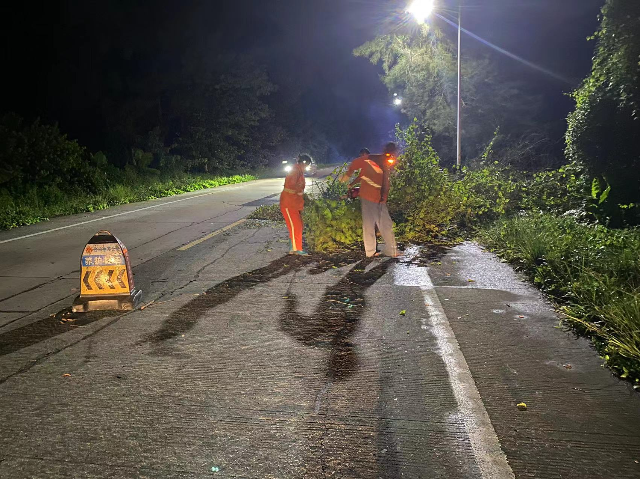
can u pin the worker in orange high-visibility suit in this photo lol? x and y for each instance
(292, 203)
(374, 189)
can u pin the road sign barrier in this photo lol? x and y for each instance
(106, 280)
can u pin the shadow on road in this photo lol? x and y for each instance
(181, 320)
(47, 328)
(336, 318)
(186, 317)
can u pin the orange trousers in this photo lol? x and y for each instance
(293, 218)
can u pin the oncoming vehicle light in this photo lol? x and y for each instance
(287, 168)
(308, 168)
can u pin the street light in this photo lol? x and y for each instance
(421, 9)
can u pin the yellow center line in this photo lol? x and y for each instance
(211, 235)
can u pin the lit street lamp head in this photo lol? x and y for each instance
(421, 9)
(397, 101)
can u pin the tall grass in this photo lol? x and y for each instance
(593, 272)
(39, 204)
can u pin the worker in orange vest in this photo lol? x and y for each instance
(374, 190)
(292, 203)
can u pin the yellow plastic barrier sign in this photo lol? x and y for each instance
(106, 280)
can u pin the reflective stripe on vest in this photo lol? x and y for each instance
(375, 167)
(293, 192)
(375, 185)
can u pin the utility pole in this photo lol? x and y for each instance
(459, 143)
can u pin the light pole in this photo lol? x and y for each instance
(421, 9)
(459, 127)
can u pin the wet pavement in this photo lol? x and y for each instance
(580, 420)
(247, 363)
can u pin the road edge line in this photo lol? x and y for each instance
(211, 235)
(489, 455)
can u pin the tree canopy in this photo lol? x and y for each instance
(422, 69)
(604, 129)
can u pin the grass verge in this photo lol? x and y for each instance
(592, 272)
(40, 204)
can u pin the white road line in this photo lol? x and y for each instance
(490, 458)
(115, 215)
(211, 235)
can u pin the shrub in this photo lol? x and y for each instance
(487, 193)
(604, 132)
(423, 201)
(332, 224)
(332, 188)
(39, 155)
(267, 212)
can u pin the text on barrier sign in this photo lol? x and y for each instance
(104, 270)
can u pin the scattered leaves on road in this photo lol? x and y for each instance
(66, 375)
(148, 304)
(403, 312)
(522, 406)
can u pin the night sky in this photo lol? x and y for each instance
(305, 44)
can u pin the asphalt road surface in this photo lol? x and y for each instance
(248, 363)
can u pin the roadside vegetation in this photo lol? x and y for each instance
(571, 224)
(44, 174)
(552, 225)
(41, 204)
(592, 271)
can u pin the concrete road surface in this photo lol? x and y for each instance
(248, 363)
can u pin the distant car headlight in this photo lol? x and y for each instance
(308, 168)
(288, 168)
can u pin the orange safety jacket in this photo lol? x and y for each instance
(292, 195)
(371, 179)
